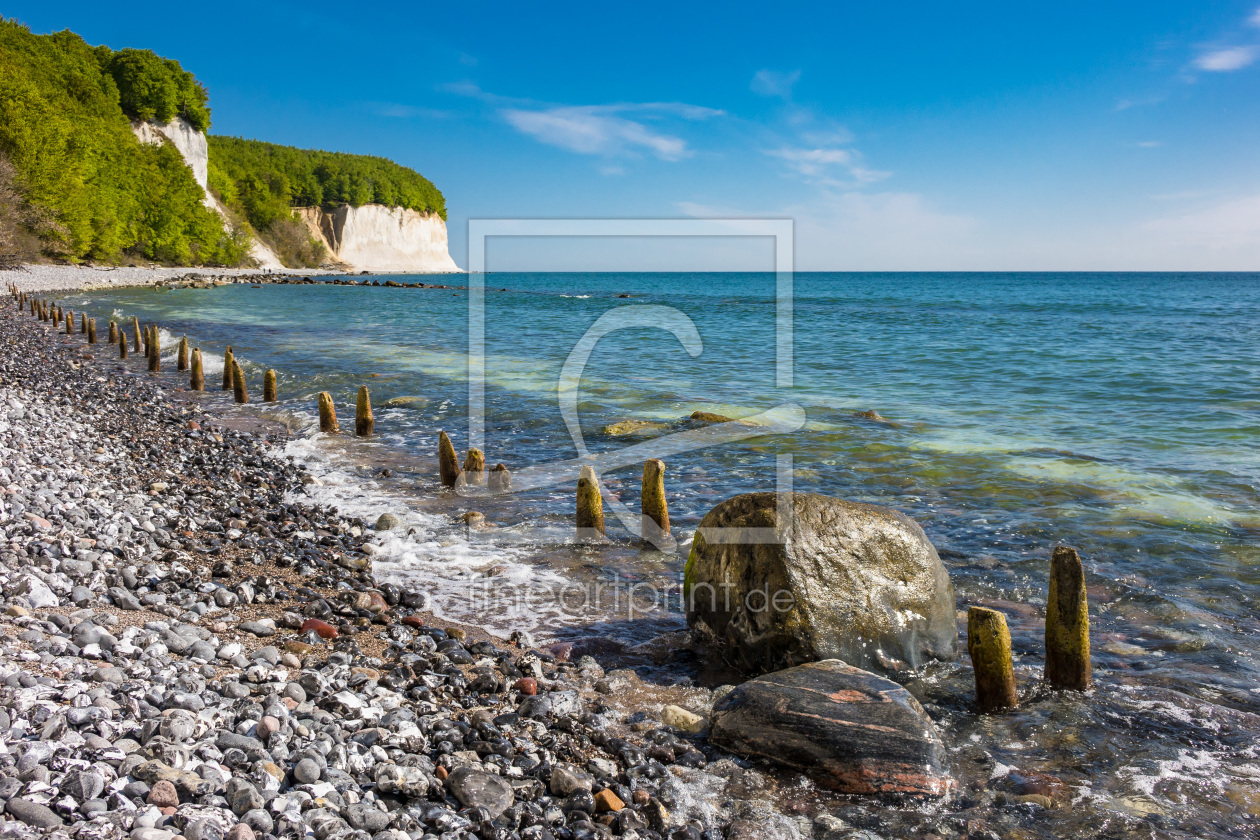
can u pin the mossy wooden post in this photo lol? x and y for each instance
(239, 390)
(147, 341)
(57, 316)
(122, 344)
(198, 380)
(989, 644)
(590, 505)
(83, 322)
(328, 414)
(181, 359)
(448, 461)
(500, 480)
(91, 330)
(655, 509)
(113, 333)
(269, 386)
(155, 350)
(228, 358)
(363, 421)
(1067, 623)
(475, 467)
(135, 332)
(70, 322)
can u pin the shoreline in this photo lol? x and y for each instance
(52, 278)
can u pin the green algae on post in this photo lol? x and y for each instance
(239, 391)
(228, 358)
(500, 479)
(655, 510)
(91, 331)
(181, 360)
(475, 467)
(198, 380)
(989, 644)
(590, 505)
(135, 331)
(113, 333)
(1067, 623)
(448, 461)
(155, 350)
(363, 420)
(122, 344)
(328, 414)
(269, 386)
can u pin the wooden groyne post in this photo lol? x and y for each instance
(328, 414)
(989, 644)
(590, 505)
(655, 515)
(364, 423)
(1067, 623)
(448, 461)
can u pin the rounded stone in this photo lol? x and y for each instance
(163, 795)
(841, 580)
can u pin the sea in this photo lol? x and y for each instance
(1007, 413)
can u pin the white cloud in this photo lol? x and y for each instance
(1226, 60)
(594, 131)
(774, 83)
(1254, 20)
(1149, 144)
(819, 165)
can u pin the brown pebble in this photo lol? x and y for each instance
(267, 727)
(606, 800)
(163, 795)
(526, 685)
(441, 773)
(641, 797)
(413, 621)
(240, 831)
(322, 628)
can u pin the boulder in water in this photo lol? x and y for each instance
(853, 731)
(842, 580)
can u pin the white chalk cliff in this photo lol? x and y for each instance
(367, 238)
(192, 146)
(377, 238)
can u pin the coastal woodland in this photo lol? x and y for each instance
(77, 185)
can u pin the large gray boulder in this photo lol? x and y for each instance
(848, 581)
(853, 731)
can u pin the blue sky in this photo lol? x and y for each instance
(914, 136)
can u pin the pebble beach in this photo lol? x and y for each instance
(185, 652)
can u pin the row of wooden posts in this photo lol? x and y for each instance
(988, 638)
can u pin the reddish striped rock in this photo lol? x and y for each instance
(322, 628)
(853, 731)
(413, 621)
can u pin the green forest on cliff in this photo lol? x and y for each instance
(76, 184)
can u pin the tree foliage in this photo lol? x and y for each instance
(155, 89)
(265, 181)
(101, 194)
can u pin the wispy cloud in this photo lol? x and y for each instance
(603, 130)
(393, 109)
(1254, 20)
(1149, 144)
(774, 83)
(827, 166)
(1226, 60)
(594, 131)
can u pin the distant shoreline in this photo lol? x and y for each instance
(47, 278)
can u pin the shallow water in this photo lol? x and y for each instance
(1116, 413)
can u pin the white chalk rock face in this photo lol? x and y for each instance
(377, 238)
(190, 142)
(192, 146)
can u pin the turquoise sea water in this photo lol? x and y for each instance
(1118, 413)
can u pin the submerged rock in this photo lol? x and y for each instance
(625, 428)
(852, 730)
(847, 581)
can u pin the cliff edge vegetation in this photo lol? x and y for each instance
(79, 184)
